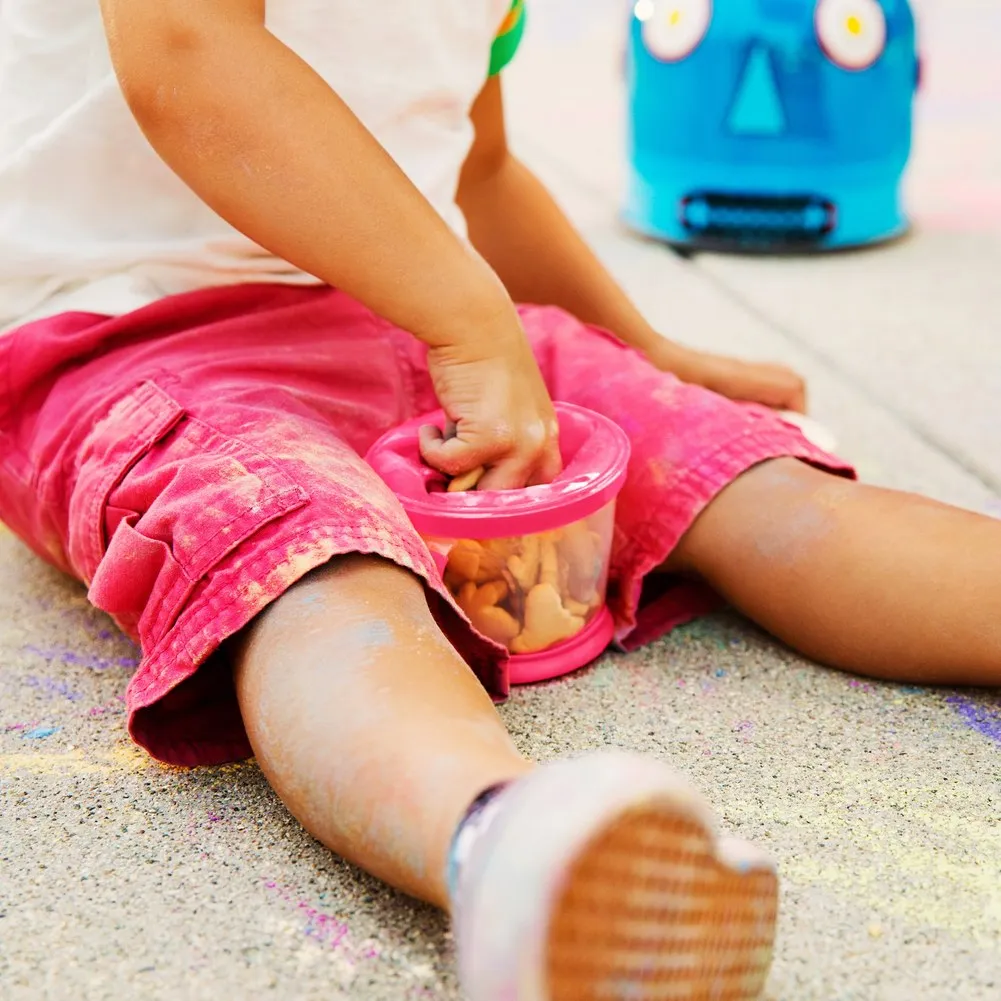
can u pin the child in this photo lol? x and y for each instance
(209, 323)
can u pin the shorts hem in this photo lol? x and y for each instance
(215, 617)
(701, 483)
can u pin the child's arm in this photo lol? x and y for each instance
(267, 144)
(518, 227)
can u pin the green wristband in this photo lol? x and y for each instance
(507, 41)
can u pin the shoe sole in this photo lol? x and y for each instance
(649, 912)
(602, 879)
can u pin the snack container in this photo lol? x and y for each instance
(528, 567)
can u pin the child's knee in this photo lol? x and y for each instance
(340, 619)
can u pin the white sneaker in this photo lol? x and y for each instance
(601, 879)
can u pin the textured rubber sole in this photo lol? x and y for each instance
(649, 910)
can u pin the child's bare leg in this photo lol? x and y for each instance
(588, 872)
(874, 581)
(370, 727)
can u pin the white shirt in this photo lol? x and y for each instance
(90, 217)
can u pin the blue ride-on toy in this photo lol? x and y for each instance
(770, 124)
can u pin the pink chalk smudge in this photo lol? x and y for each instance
(324, 928)
(17, 727)
(115, 706)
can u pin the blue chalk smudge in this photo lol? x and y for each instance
(985, 719)
(41, 732)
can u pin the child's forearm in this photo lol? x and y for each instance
(263, 140)
(525, 236)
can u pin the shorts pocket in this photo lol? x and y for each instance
(160, 500)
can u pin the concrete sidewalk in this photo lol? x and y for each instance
(121, 879)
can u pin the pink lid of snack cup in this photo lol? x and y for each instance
(595, 457)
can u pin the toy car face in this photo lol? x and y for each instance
(770, 124)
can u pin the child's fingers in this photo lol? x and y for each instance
(778, 387)
(510, 474)
(549, 467)
(457, 457)
(451, 456)
(797, 397)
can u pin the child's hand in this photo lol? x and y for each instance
(754, 382)
(493, 393)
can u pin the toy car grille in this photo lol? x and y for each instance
(757, 219)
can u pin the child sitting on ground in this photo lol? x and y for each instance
(239, 240)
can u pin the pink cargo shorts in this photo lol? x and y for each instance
(190, 461)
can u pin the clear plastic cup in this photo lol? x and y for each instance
(532, 592)
(528, 567)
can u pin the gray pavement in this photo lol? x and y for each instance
(120, 878)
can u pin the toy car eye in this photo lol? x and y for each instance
(672, 29)
(852, 33)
